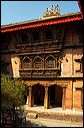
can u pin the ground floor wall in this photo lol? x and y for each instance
(67, 94)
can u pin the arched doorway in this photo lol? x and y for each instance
(55, 96)
(38, 95)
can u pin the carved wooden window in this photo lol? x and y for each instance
(36, 37)
(50, 62)
(80, 61)
(48, 35)
(26, 63)
(38, 63)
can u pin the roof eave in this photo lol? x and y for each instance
(42, 22)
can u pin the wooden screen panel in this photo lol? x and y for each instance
(38, 63)
(26, 63)
(50, 63)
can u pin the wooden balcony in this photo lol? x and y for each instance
(39, 73)
(39, 47)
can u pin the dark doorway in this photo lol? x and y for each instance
(55, 96)
(58, 96)
(38, 93)
(52, 95)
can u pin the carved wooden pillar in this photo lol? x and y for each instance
(64, 99)
(82, 98)
(20, 64)
(30, 97)
(46, 98)
(43, 61)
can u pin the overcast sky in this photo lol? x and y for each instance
(19, 11)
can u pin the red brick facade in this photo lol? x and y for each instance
(51, 60)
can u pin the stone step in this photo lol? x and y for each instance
(57, 116)
(31, 115)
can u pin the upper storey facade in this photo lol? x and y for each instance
(48, 47)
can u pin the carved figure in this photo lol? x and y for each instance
(52, 11)
(57, 10)
(46, 13)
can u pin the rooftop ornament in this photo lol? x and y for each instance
(52, 11)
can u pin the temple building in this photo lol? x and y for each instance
(47, 53)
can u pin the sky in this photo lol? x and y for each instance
(19, 11)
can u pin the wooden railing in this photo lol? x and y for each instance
(39, 73)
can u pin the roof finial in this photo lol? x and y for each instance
(57, 10)
(52, 11)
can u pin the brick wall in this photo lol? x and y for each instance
(66, 63)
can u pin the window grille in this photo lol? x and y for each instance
(50, 63)
(26, 63)
(38, 63)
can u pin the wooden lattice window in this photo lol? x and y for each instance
(80, 61)
(38, 63)
(26, 63)
(50, 62)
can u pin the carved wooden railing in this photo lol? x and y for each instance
(39, 73)
(36, 47)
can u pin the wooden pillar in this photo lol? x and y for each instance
(82, 98)
(46, 98)
(30, 97)
(64, 99)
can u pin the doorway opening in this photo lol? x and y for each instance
(55, 96)
(38, 94)
(59, 95)
(52, 95)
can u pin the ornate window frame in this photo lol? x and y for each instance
(30, 64)
(46, 61)
(34, 66)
